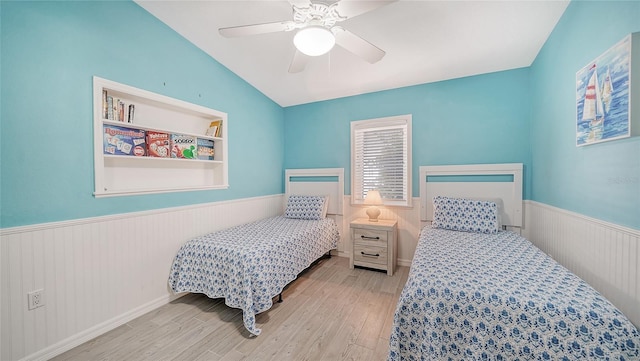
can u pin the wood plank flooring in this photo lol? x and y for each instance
(329, 313)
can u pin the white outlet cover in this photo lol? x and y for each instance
(35, 299)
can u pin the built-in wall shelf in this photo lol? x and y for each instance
(141, 127)
(153, 159)
(129, 160)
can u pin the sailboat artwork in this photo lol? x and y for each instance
(607, 89)
(593, 108)
(602, 96)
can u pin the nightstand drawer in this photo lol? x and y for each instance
(369, 235)
(371, 254)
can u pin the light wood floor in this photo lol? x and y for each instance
(329, 313)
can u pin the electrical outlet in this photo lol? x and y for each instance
(35, 299)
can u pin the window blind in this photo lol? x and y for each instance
(381, 161)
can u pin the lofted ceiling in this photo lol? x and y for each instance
(425, 41)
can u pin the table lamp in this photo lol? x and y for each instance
(373, 200)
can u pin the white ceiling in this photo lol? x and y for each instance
(425, 41)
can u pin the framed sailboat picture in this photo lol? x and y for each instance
(602, 96)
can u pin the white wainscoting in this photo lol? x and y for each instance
(605, 255)
(99, 273)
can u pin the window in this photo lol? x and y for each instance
(381, 159)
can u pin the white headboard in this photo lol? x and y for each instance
(320, 181)
(508, 193)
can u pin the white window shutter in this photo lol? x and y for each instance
(381, 159)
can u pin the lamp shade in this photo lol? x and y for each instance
(314, 40)
(373, 198)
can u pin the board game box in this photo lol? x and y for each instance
(183, 146)
(123, 141)
(205, 149)
(158, 144)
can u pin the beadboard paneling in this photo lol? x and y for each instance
(99, 273)
(605, 255)
(102, 272)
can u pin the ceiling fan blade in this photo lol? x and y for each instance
(246, 30)
(298, 63)
(348, 9)
(357, 45)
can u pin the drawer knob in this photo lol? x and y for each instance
(369, 254)
(365, 237)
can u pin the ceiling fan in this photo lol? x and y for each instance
(316, 30)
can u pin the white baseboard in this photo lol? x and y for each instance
(93, 332)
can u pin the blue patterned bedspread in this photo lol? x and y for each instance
(473, 296)
(249, 264)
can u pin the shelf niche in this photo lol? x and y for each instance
(121, 175)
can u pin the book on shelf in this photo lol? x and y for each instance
(121, 111)
(205, 149)
(158, 144)
(116, 112)
(132, 108)
(214, 129)
(105, 111)
(183, 146)
(109, 107)
(116, 109)
(123, 141)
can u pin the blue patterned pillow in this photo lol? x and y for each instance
(306, 207)
(468, 215)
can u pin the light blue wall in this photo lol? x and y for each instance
(600, 180)
(479, 119)
(50, 51)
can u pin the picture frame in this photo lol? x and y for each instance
(603, 108)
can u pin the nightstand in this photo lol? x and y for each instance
(374, 244)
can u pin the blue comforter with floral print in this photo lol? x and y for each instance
(472, 296)
(248, 265)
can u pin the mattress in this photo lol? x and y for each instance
(476, 296)
(248, 265)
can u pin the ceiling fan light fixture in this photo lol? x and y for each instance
(314, 40)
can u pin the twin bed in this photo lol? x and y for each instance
(477, 292)
(248, 265)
